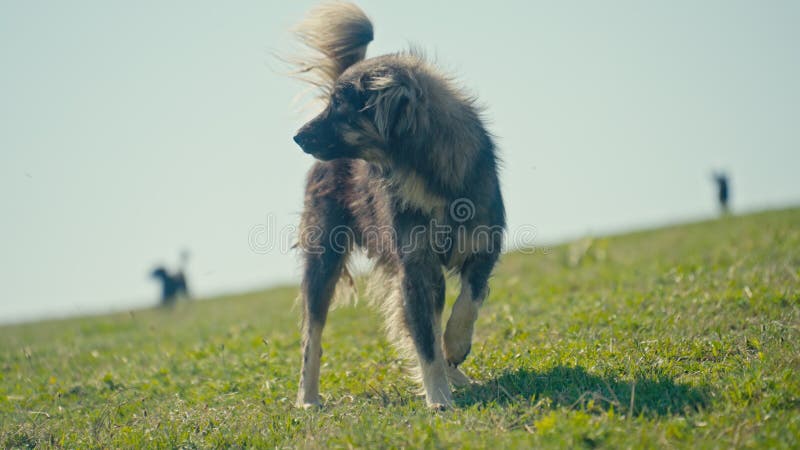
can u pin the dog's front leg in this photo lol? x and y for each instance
(458, 333)
(322, 270)
(423, 300)
(308, 395)
(460, 326)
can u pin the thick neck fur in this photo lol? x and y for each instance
(431, 182)
(448, 137)
(437, 149)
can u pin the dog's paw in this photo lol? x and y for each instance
(457, 346)
(458, 335)
(456, 377)
(440, 399)
(439, 406)
(309, 405)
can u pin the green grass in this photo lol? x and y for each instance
(687, 336)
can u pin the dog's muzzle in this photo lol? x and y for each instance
(304, 141)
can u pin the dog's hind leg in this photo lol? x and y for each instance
(324, 263)
(460, 326)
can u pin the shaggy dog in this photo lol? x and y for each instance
(721, 179)
(173, 285)
(407, 172)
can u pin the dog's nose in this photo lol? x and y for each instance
(303, 140)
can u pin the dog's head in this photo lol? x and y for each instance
(371, 112)
(159, 273)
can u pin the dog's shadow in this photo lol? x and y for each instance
(574, 387)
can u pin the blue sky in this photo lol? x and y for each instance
(129, 131)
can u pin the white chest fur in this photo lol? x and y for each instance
(411, 192)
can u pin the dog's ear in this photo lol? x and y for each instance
(395, 101)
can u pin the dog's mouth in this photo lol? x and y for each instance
(311, 146)
(318, 153)
(315, 148)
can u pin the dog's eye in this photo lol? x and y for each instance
(338, 105)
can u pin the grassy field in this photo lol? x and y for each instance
(687, 336)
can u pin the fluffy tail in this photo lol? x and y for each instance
(338, 33)
(183, 260)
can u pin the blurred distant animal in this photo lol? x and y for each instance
(407, 172)
(723, 193)
(173, 285)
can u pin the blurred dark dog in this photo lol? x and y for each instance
(723, 188)
(408, 173)
(173, 285)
